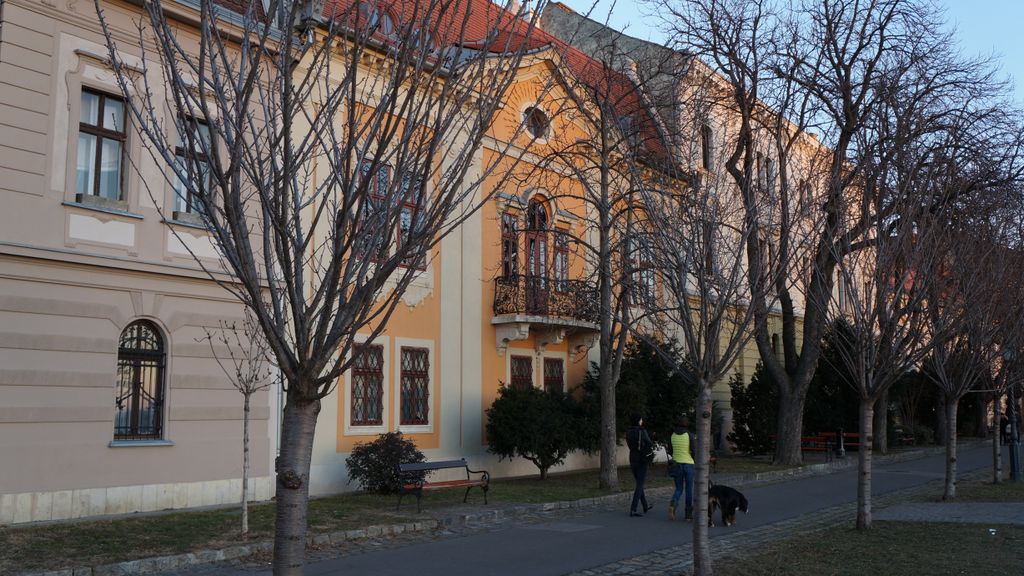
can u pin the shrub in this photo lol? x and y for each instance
(648, 385)
(373, 465)
(540, 426)
(754, 409)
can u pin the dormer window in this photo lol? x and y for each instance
(537, 122)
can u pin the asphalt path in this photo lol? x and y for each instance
(589, 538)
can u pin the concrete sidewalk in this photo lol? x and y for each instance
(544, 524)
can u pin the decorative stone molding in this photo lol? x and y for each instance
(549, 336)
(581, 343)
(505, 333)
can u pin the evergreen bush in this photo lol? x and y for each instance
(374, 465)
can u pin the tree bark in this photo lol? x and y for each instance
(609, 477)
(982, 408)
(940, 421)
(951, 408)
(864, 465)
(789, 426)
(701, 545)
(245, 464)
(298, 426)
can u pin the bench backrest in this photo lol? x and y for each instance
(435, 465)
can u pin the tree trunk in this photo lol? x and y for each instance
(245, 464)
(881, 425)
(789, 427)
(951, 408)
(982, 408)
(701, 545)
(609, 477)
(864, 465)
(997, 452)
(290, 523)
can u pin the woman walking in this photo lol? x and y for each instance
(680, 466)
(641, 450)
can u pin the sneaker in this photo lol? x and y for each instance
(671, 511)
(689, 513)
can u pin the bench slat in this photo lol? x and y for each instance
(435, 465)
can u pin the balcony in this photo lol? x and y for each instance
(552, 309)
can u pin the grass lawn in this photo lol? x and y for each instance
(903, 548)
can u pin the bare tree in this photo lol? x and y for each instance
(327, 151)
(698, 233)
(248, 369)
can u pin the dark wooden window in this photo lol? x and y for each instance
(101, 139)
(192, 159)
(643, 271)
(139, 400)
(536, 258)
(554, 374)
(411, 221)
(375, 212)
(509, 246)
(522, 372)
(537, 122)
(415, 386)
(705, 146)
(368, 385)
(561, 261)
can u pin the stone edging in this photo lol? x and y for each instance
(178, 561)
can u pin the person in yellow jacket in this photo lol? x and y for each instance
(680, 466)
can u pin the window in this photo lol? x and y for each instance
(643, 271)
(760, 176)
(561, 263)
(411, 221)
(415, 386)
(522, 372)
(705, 147)
(375, 20)
(537, 123)
(191, 159)
(509, 246)
(140, 383)
(368, 385)
(101, 140)
(375, 211)
(554, 374)
(536, 258)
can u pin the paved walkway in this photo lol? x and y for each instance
(596, 537)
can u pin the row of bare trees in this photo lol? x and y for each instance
(809, 145)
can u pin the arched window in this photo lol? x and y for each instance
(139, 400)
(536, 258)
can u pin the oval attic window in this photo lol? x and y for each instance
(537, 122)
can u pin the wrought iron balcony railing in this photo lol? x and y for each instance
(541, 296)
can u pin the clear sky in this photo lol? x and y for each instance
(983, 27)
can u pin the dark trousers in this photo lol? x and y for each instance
(639, 470)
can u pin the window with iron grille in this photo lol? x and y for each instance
(368, 385)
(522, 372)
(509, 246)
(101, 139)
(415, 386)
(140, 383)
(554, 374)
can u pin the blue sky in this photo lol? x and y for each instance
(983, 27)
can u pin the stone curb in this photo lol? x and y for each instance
(178, 561)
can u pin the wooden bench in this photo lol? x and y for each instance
(819, 443)
(851, 440)
(422, 469)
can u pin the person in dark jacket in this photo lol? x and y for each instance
(641, 449)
